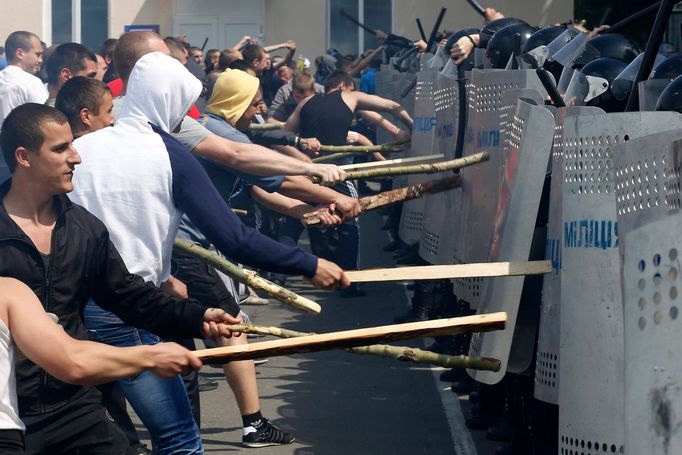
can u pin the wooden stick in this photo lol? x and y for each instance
(395, 196)
(353, 338)
(443, 272)
(396, 162)
(384, 350)
(249, 277)
(266, 126)
(336, 156)
(429, 168)
(364, 148)
(240, 212)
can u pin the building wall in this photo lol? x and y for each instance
(17, 18)
(140, 12)
(304, 21)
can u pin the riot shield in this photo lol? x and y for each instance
(649, 91)
(492, 96)
(523, 164)
(547, 359)
(591, 389)
(386, 87)
(436, 238)
(647, 181)
(423, 143)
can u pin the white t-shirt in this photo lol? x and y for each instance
(9, 405)
(18, 87)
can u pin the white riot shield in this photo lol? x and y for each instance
(523, 160)
(386, 87)
(423, 143)
(591, 388)
(436, 237)
(647, 185)
(547, 358)
(492, 94)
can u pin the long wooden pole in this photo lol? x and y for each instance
(443, 272)
(358, 337)
(266, 126)
(427, 168)
(396, 196)
(336, 156)
(396, 162)
(397, 146)
(249, 277)
(384, 350)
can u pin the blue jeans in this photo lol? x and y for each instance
(161, 404)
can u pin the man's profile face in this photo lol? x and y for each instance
(105, 116)
(52, 165)
(251, 111)
(33, 57)
(89, 69)
(102, 68)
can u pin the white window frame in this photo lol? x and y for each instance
(76, 14)
(361, 19)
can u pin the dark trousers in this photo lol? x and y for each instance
(204, 285)
(71, 430)
(11, 442)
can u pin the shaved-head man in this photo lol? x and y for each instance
(18, 83)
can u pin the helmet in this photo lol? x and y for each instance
(671, 98)
(622, 85)
(581, 50)
(491, 28)
(591, 86)
(501, 45)
(535, 52)
(668, 69)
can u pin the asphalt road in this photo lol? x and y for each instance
(336, 402)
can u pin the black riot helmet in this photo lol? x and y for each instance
(452, 39)
(591, 86)
(501, 45)
(535, 52)
(671, 98)
(492, 27)
(668, 69)
(610, 45)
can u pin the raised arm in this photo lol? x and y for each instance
(365, 101)
(46, 344)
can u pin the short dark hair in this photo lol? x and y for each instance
(18, 40)
(77, 93)
(107, 48)
(23, 128)
(240, 65)
(252, 52)
(67, 55)
(335, 78)
(175, 46)
(227, 56)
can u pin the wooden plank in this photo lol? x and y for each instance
(442, 272)
(358, 337)
(397, 162)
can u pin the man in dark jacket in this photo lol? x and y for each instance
(63, 253)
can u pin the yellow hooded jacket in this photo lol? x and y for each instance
(233, 92)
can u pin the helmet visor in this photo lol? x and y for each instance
(583, 89)
(534, 58)
(561, 40)
(567, 54)
(649, 92)
(622, 84)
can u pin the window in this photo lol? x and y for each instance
(86, 22)
(348, 38)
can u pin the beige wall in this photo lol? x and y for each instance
(128, 12)
(16, 18)
(304, 21)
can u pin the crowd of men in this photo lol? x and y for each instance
(112, 155)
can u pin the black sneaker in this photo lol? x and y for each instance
(265, 434)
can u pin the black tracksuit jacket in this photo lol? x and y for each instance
(83, 264)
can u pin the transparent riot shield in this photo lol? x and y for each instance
(436, 238)
(492, 97)
(386, 87)
(649, 91)
(547, 359)
(523, 161)
(647, 185)
(591, 386)
(423, 143)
